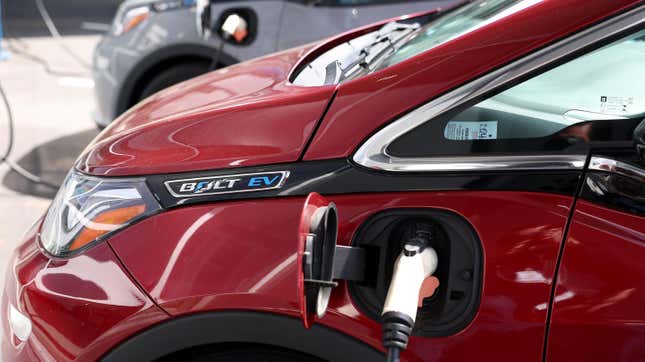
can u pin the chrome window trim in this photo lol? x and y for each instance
(606, 164)
(477, 163)
(373, 152)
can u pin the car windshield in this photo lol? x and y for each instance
(400, 40)
(453, 24)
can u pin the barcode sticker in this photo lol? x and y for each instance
(466, 131)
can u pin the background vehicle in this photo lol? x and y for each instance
(194, 225)
(154, 44)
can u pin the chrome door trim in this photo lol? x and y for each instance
(476, 163)
(606, 164)
(373, 152)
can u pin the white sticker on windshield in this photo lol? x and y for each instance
(465, 131)
(615, 105)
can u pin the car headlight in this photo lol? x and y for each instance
(127, 18)
(87, 209)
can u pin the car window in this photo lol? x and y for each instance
(599, 96)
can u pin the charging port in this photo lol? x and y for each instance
(454, 304)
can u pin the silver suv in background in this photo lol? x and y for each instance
(155, 43)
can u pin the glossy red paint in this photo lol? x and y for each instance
(243, 115)
(250, 247)
(79, 307)
(249, 114)
(242, 255)
(368, 103)
(598, 312)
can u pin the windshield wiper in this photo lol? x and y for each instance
(361, 62)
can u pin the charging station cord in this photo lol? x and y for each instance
(10, 120)
(393, 354)
(10, 143)
(23, 52)
(417, 262)
(56, 35)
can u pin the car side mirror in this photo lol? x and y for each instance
(639, 140)
(234, 29)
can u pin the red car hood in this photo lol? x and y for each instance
(244, 115)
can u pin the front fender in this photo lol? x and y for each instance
(216, 258)
(222, 256)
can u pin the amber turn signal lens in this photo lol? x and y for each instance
(134, 21)
(105, 222)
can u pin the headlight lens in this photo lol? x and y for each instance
(127, 19)
(86, 210)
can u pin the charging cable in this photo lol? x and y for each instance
(10, 143)
(417, 262)
(22, 49)
(4, 157)
(56, 35)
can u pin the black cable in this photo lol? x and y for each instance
(5, 100)
(393, 354)
(56, 35)
(7, 106)
(216, 57)
(5, 158)
(28, 55)
(397, 328)
(34, 58)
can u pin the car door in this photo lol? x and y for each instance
(598, 300)
(494, 168)
(306, 21)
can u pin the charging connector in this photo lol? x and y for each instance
(416, 263)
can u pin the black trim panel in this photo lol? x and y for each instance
(242, 327)
(341, 177)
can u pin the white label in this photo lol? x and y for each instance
(615, 105)
(465, 131)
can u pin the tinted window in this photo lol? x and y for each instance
(597, 97)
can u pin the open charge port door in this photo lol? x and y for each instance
(367, 265)
(316, 246)
(460, 267)
(321, 261)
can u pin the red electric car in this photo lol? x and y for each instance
(497, 146)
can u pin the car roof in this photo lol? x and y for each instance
(370, 102)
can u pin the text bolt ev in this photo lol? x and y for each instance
(454, 185)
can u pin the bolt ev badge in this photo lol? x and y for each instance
(227, 184)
